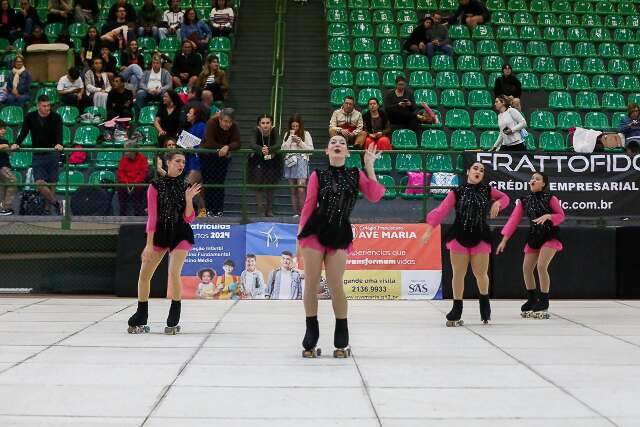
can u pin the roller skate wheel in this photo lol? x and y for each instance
(526, 314)
(342, 353)
(455, 323)
(138, 329)
(171, 330)
(311, 354)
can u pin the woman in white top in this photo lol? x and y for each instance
(97, 84)
(511, 124)
(296, 165)
(222, 19)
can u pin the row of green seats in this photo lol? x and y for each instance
(540, 48)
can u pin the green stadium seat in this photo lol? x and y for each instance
(596, 120)
(529, 81)
(427, 5)
(636, 67)
(338, 29)
(547, 19)
(633, 98)
(520, 64)
(380, 4)
(20, 160)
(485, 119)
(420, 79)
(359, 15)
(361, 29)
(483, 32)
(367, 78)
(434, 139)
(457, 119)
(560, 100)
(337, 15)
(602, 82)
(516, 5)
(631, 50)
(404, 139)
(426, 95)
(172, 45)
(447, 80)
(69, 115)
(552, 141)
(587, 101)
(542, 120)
(513, 47)
(492, 63)
(593, 66)
(12, 115)
(530, 32)
(150, 135)
(537, 48)
(600, 35)
(341, 78)
(578, 82)
(442, 63)
(561, 49)
(70, 181)
(622, 35)
(405, 16)
(463, 47)
(618, 66)
(78, 29)
(107, 159)
(339, 61)
(452, 98)
(359, 4)
(366, 61)
(590, 20)
(604, 8)
(582, 6)
(147, 115)
(86, 135)
(389, 78)
(568, 20)
(505, 32)
(338, 95)
(366, 94)
(147, 43)
(101, 177)
(491, 80)
(383, 164)
(339, 45)
(544, 64)
(552, 34)
(570, 66)
(627, 8)
(354, 161)
(539, 6)
(586, 50)
(609, 50)
(408, 163)
(569, 119)
(616, 119)
(488, 138)
(53, 31)
(381, 16)
(389, 45)
(523, 19)
(613, 101)
(448, 5)
(438, 163)
(487, 47)
(577, 34)
(628, 83)
(417, 63)
(473, 80)
(463, 140)
(459, 32)
(496, 5)
(386, 30)
(468, 63)
(480, 99)
(51, 92)
(391, 61)
(614, 21)
(530, 143)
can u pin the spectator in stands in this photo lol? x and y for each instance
(18, 83)
(207, 101)
(155, 82)
(8, 22)
(108, 62)
(130, 11)
(400, 106)
(222, 134)
(196, 124)
(171, 20)
(186, 65)
(59, 10)
(508, 85)
(117, 31)
(97, 84)
(222, 18)
(167, 120)
(148, 20)
(119, 100)
(37, 36)
(347, 121)
(90, 49)
(70, 88)
(133, 168)
(7, 178)
(194, 100)
(195, 30)
(510, 125)
(471, 13)
(131, 66)
(264, 164)
(376, 127)
(630, 128)
(296, 165)
(438, 38)
(161, 161)
(417, 40)
(45, 128)
(214, 79)
(27, 17)
(86, 11)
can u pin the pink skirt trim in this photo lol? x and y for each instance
(183, 245)
(311, 242)
(480, 248)
(553, 244)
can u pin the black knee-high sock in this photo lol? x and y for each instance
(312, 334)
(174, 313)
(341, 335)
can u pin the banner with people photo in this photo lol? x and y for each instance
(259, 261)
(588, 185)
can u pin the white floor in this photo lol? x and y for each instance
(70, 362)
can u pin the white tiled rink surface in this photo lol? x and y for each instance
(70, 362)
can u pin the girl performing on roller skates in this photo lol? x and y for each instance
(469, 239)
(545, 214)
(326, 237)
(170, 207)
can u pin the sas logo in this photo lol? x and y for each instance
(420, 287)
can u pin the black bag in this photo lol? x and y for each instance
(32, 203)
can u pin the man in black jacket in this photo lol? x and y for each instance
(45, 127)
(186, 65)
(508, 85)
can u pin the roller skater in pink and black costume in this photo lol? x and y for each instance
(326, 237)
(545, 214)
(170, 207)
(469, 240)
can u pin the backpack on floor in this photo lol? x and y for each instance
(32, 203)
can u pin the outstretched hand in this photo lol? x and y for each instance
(542, 219)
(192, 191)
(370, 156)
(426, 236)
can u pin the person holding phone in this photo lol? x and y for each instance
(400, 106)
(511, 124)
(296, 165)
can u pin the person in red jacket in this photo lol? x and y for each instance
(132, 169)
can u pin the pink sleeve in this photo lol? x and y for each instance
(371, 189)
(511, 225)
(557, 217)
(152, 209)
(311, 201)
(429, 112)
(437, 215)
(189, 219)
(500, 197)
